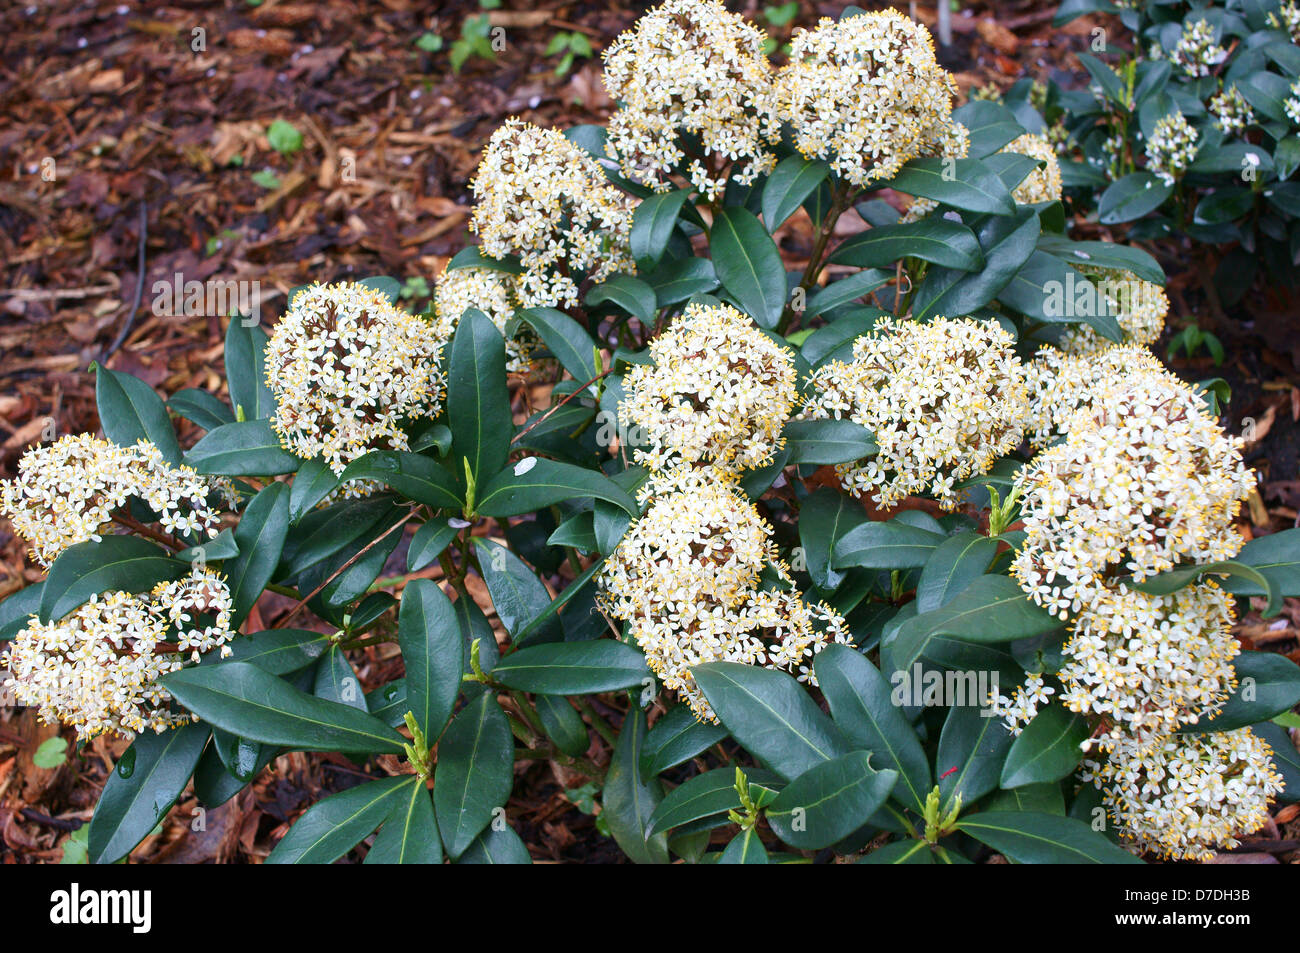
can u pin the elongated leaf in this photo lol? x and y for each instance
(496, 845)
(535, 483)
(889, 545)
(428, 543)
(789, 184)
(628, 800)
(410, 833)
(17, 610)
(311, 484)
(1169, 582)
(246, 370)
(563, 725)
(745, 848)
(748, 264)
(1131, 197)
(278, 651)
(129, 411)
(829, 801)
(1277, 557)
(824, 518)
(200, 407)
(573, 668)
(332, 827)
(475, 772)
(677, 737)
(1029, 838)
(972, 749)
(1105, 255)
(993, 608)
(566, 339)
(248, 448)
(478, 402)
(147, 780)
(675, 281)
(771, 715)
(828, 441)
(254, 704)
(991, 126)
(962, 183)
(653, 222)
(1007, 243)
(1267, 685)
(431, 648)
(936, 240)
(1047, 750)
(844, 291)
(336, 680)
(260, 537)
(955, 564)
(411, 474)
(631, 294)
(707, 794)
(517, 594)
(114, 563)
(863, 708)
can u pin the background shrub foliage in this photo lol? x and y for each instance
(839, 766)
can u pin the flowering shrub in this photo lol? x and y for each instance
(1195, 131)
(899, 546)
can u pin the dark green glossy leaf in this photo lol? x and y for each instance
(147, 780)
(114, 563)
(535, 483)
(332, 827)
(478, 402)
(1029, 838)
(862, 705)
(413, 475)
(410, 834)
(248, 448)
(829, 801)
(246, 370)
(828, 441)
(748, 264)
(628, 799)
(937, 240)
(130, 411)
(573, 668)
(475, 772)
(431, 649)
(1047, 750)
(254, 704)
(771, 715)
(260, 537)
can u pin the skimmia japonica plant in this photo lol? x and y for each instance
(1195, 131)
(900, 545)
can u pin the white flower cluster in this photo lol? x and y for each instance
(97, 668)
(1172, 147)
(1292, 104)
(685, 578)
(866, 94)
(1043, 184)
(1022, 705)
(1061, 384)
(1287, 17)
(1145, 479)
(690, 67)
(347, 368)
(1151, 663)
(541, 198)
(1231, 112)
(1190, 794)
(1196, 51)
(719, 393)
(944, 399)
(67, 492)
(1139, 307)
(496, 294)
